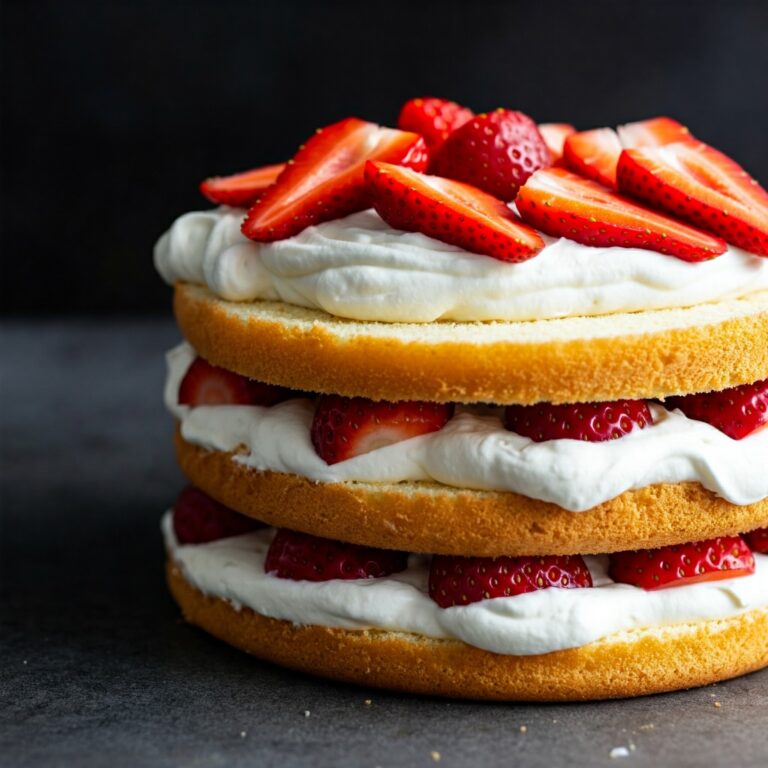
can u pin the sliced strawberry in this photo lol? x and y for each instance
(495, 152)
(563, 204)
(241, 189)
(554, 135)
(655, 132)
(675, 566)
(450, 211)
(593, 422)
(206, 384)
(435, 119)
(738, 411)
(462, 580)
(699, 184)
(325, 178)
(301, 557)
(757, 540)
(344, 427)
(197, 519)
(593, 154)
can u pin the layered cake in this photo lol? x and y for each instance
(477, 407)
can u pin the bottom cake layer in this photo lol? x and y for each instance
(630, 663)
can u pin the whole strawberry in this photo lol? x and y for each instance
(344, 427)
(457, 580)
(435, 119)
(757, 540)
(301, 557)
(738, 411)
(495, 152)
(593, 422)
(724, 558)
(197, 519)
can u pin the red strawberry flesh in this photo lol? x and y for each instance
(463, 580)
(655, 132)
(302, 557)
(450, 211)
(593, 422)
(757, 540)
(198, 519)
(554, 135)
(325, 180)
(345, 427)
(738, 411)
(593, 154)
(241, 189)
(563, 204)
(435, 119)
(723, 558)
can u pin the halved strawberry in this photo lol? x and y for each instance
(655, 132)
(723, 558)
(554, 135)
(563, 204)
(699, 184)
(462, 580)
(241, 189)
(450, 211)
(197, 519)
(757, 540)
(738, 411)
(301, 557)
(325, 181)
(593, 422)
(593, 154)
(344, 427)
(435, 119)
(206, 384)
(495, 152)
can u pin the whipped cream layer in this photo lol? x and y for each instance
(537, 622)
(361, 268)
(475, 451)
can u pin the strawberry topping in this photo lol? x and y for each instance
(435, 119)
(301, 557)
(206, 384)
(593, 422)
(593, 154)
(563, 204)
(723, 558)
(450, 211)
(655, 132)
(325, 180)
(757, 540)
(241, 189)
(701, 185)
(554, 135)
(344, 427)
(738, 411)
(197, 519)
(495, 152)
(462, 580)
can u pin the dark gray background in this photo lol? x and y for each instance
(113, 112)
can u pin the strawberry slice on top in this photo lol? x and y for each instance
(593, 154)
(435, 119)
(727, 557)
(241, 190)
(345, 427)
(450, 211)
(701, 185)
(563, 204)
(554, 135)
(324, 180)
(655, 132)
(738, 411)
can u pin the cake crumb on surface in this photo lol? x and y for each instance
(619, 752)
(523, 729)
(435, 756)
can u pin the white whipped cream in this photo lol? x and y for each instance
(475, 451)
(537, 622)
(361, 268)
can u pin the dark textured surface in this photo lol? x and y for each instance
(98, 670)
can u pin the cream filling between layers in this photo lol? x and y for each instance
(475, 451)
(360, 268)
(537, 622)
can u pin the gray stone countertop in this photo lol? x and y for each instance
(98, 669)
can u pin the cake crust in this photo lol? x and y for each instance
(432, 518)
(637, 355)
(628, 664)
